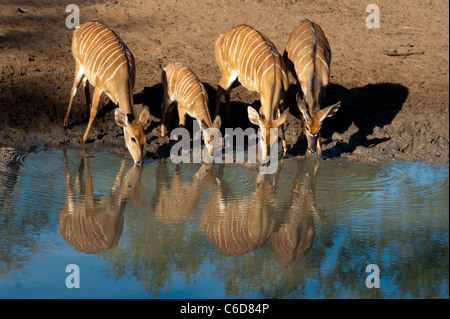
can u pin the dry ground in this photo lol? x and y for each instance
(393, 81)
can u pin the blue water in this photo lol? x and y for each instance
(221, 231)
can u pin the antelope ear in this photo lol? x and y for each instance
(217, 122)
(253, 116)
(329, 111)
(303, 108)
(203, 125)
(145, 115)
(120, 117)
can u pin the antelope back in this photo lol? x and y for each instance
(310, 55)
(182, 85)
(247, 54)
(105, 59)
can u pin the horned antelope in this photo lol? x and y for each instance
(246, 56)
(182, 86)
(103, 60)
(308, 57)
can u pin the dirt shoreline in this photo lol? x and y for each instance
(393, 81)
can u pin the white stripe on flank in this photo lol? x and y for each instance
(299, 37)
(115, 71)
(189, 86)
(176, 79)
(257, 57)
(99, 46)
(189, 93)
(300, 47)
(92, 60)
(304, 68)
(193, 100)
(109, 65)
(264, 73)
(94, 39)
(236, 46)
(180, 85)
(106, 57)
(249, 58)
(99, 54)
(233, 45)
(241, 47)
(80, 35)
(86, 38)
(259, 69)
(307, 54)
(323, 61)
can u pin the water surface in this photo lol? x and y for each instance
(220, 231)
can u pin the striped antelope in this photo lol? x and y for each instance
(182, 86)
(239, 226)
(308, 57)
(177, 198)
(103, 59)
(91, 222)
(246, 55)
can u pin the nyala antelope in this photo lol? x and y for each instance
(308, 57)
(182, 86)
(246, 56)
(103, 60)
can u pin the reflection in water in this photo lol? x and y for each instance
(9, 171)
(219, 230)
(237, 226)
(176, 199)
(238, 221)
(294, 238)
(90, 223)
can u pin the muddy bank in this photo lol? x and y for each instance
(394, 106)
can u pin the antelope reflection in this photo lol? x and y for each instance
(178, 199)
(294, 236)
(92, 223)
(239, 226)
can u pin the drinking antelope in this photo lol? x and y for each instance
(308, 57)
(182, 86)
(103, 60)
(246, 55)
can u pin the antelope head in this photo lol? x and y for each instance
(210, 141)
(265, 125)
(133, 132)
(313, 122)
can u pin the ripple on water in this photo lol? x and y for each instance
(381, 185)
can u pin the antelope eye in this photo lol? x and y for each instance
(307, 127)
(133, 139)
